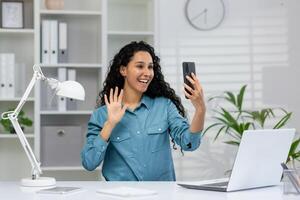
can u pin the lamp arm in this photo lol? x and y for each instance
(37, 75)
(13, 117)
(36, 169)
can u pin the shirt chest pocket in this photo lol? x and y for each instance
(158, 136)
(119, 137)
(119, 134)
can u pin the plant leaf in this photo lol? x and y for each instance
(240, 97)
(230, 97)
(211, 126)
(232, 142)
(283, 120)
(220, 130)
(294, 148)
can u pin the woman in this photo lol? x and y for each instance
(138, 110)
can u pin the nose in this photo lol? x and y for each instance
(147, 71)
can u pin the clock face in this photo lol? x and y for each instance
(205, 14)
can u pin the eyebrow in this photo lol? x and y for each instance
(141, 62)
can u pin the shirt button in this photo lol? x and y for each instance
(118, 138)
(159, 129)
(138, 132)
(144, 165)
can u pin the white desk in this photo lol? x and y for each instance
(166, 191)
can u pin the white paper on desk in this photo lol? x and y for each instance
(126, 192)
(59, 190)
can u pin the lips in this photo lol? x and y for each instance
(143, 81)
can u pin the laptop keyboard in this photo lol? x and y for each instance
(217, 184)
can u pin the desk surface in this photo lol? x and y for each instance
(165, 190)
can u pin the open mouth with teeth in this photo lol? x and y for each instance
(144, 81)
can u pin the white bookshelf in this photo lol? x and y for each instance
(14, 136)
(76, 112)
(19, 31)
(72, 65)
(69, 12)
(96, 30)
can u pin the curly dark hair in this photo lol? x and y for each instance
(158, 86)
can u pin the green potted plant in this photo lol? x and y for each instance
(236, 120)
(23, 121)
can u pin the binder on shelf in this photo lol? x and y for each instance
(7, 61)
(62, 76)
(20, 79)
(71, 103)
(62, 43)
(45, 51)
(53, 41)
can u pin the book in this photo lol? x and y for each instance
(59, 190)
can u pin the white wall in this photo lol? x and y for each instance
(271, 28)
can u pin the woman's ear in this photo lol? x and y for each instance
(123, 70)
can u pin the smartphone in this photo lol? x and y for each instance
(188, 68)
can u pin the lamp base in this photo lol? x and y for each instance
(39, 182)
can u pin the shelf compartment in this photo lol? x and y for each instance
(56, 139)
(28, 108)
(130, 15)
(83, 37)
(90, 80)
(73, 5)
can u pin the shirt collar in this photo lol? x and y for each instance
(147, 101)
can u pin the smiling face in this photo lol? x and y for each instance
(138, 73)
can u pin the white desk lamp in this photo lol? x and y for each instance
(71, 89)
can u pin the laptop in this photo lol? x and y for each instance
(257, 163)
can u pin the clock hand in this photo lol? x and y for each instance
(198, 15)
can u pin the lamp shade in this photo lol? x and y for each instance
(70, 89)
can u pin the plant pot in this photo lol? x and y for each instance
(54, 4)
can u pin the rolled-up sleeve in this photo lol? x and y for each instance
(95, 147)
(180, 129)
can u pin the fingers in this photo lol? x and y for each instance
(187, 87)
(111, 99)
(187, 94)
(195, 81)
(116, 94)
(120, 96)
(105, 100)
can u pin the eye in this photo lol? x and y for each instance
(150, 66)
(140, 66)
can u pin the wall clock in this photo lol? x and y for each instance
(205, 14)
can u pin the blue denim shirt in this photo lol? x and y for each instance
(139, 147)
